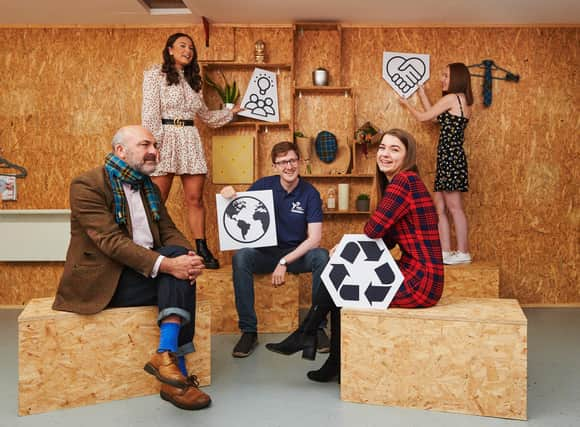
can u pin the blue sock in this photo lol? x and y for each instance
(182, 366)
(168, 334)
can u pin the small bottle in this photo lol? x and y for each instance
(331, 200)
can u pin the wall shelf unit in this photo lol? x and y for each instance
(305, 108)
(245, 65)
(323, 90)
(257, 124)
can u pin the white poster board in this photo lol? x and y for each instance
(7, 187)
(404, 72)
(246, 221)
(261, 98)
(362, 273)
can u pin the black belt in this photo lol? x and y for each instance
(177, 122)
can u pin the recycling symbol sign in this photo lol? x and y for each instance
(362, 273)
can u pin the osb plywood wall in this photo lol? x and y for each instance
(63, 93)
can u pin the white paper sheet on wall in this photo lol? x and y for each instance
(261, 98)
(7, 187)
(246, 221)
(404, 72)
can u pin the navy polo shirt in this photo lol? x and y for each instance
(294, 210)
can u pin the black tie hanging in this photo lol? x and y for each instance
(488, 68)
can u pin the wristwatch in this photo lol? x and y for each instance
(282, 261)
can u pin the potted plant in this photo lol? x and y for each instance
(229, 94)
(363, 202)
(364, 136)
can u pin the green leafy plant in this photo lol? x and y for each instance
(363, 196)
(228, 93)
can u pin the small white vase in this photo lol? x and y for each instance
(229, 105)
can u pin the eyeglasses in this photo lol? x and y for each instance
(284, 163)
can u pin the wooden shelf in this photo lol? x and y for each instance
(317, 26)
(348, 175)
(322, 90)
(256, 123)
(244, 65)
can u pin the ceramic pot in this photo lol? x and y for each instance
(320, 77)
(363, 205)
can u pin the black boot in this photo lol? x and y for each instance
(331, 368)
(304, 338)
(289, 345)
(204, 252)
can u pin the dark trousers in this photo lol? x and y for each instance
(171, 295)
(324, 305)
(248, 261)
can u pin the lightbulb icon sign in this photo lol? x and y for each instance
(263, 85)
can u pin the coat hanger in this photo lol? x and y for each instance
(488, 68)
(5, 164)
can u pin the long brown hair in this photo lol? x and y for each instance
(460, 81)
(380, 180)
(191, 71)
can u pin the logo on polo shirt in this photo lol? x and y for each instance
(297, 208)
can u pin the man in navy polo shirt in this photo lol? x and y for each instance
(299, 230)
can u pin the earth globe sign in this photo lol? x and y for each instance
(246, 219)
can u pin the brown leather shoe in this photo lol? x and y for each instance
(189, 398)
(164, 367)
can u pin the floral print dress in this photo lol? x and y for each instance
(452, 174)
(181, 150)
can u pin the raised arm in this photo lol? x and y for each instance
(215, 118)
(151, 106)
(424, 98)
(444, 104)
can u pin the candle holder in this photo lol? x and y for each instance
(260, 52)
(331, 199)
(343, 195)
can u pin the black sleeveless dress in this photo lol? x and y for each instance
(451, 172)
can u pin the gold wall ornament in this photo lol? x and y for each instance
(260, 52)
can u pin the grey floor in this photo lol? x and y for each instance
(267, 389)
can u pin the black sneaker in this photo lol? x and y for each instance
(323, 343)
(246, 344)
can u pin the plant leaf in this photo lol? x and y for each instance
(215, 86)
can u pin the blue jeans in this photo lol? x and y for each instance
(248, 261)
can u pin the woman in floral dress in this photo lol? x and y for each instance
(172, 101)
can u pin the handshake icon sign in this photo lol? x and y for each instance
(404, 72)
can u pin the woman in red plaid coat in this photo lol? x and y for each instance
(404, 215)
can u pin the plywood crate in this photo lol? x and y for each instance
(466, 355)
(276, 308)
(474, 280)
(67, 360)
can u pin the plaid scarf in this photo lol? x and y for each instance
(119, 171)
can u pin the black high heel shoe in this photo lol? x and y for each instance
(331, 368)
(309, 344)
(290, 345)
(305, 338)
(327, 372)
(203, 251)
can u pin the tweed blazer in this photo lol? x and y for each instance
(100, 248)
